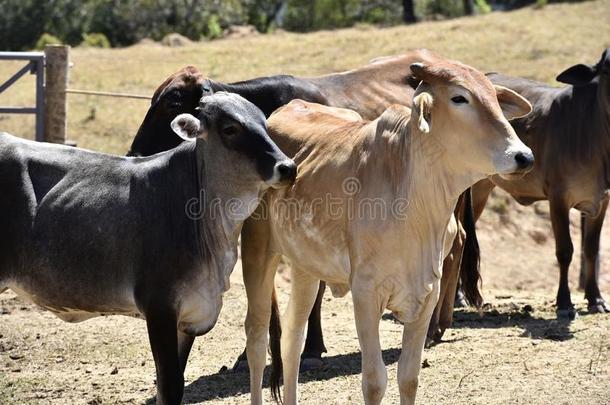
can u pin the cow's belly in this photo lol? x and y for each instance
(322, 259)
(74, 309)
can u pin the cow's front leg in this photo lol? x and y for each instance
(185, 343)
(367, 312)
(592, 231)
(163, 336)
(304, 290)
(259, 289)
(413, 340)
(563, 250)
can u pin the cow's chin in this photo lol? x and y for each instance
(511, 176)
(276, 185)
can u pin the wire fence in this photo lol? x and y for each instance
(108, 94)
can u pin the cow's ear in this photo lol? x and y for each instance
(513, 105)
(577, 75)
(422, 104)
(188, 127)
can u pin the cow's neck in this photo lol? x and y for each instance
(387, 83)
(603, 109)
(603, 101)
(422, 169)
(225, 200)
(154, 135)
(270, 93)
(424, 177)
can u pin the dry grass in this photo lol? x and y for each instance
(528, 42)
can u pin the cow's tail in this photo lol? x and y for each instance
(470, 275)
(275, 335)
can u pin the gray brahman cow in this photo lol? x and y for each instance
(86, 234)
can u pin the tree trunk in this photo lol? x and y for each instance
(408, 11)
(468, 7)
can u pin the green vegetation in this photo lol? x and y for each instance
(96, 39)
(23, 22)
(47, 39)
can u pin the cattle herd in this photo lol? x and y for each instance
(395, 160)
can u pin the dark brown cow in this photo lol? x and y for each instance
(569, 132)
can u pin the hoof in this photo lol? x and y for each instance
(568, 314)
(429, 342)
(310, 363)
(241, 366)
(599, 306)
(460, 300)
(438, 334)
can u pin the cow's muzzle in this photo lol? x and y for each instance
(524, 161)
(284, 174)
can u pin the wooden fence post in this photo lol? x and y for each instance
(56, 83)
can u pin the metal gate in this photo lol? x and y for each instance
(35, 66)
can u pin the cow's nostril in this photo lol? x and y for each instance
(524, 160)
(287, 170)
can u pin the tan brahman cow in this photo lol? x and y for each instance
(370, 212)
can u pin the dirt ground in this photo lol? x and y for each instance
(505, 354)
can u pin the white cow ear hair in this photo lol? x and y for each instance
(188, 127)
(422, 103)
(513, 104)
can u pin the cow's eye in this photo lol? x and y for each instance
(230, 130)
(459, 100)
(173, 99)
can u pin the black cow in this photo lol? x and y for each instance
(569, 133)
(87, 234)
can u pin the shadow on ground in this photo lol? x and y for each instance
(226, 383)
(535, 327)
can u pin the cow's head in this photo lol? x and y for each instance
(178, 94)
(237, 132)
(581, 75)
(469, 115)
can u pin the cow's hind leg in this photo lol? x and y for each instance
(564, 251)
(592, 231)
(163, 336)
(304, 290)
(314, 342)
(442, 315)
